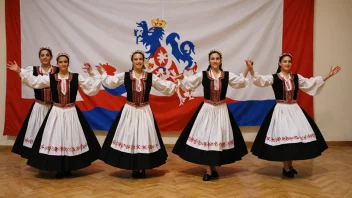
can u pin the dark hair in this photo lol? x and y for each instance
(137, 52)
(57, 58)
(47, 49)
(280, 59)
(212, 52)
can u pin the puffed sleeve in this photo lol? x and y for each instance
(237, 82)
(262, 80)
(311, 86)
(90, 85)
(164, 86)
(35, 82)
(191, 82)
(114, 81)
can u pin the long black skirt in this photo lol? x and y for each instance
(287, 152)
(211, 158)
(65, 163)
(131, 161)
(18, 147)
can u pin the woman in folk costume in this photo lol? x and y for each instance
(288, 133)
(41, 105)
(212, 136)
(134, 141)
(65, 141)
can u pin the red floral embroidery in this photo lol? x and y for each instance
(46, 92)
(65, 149)
(52, 70)
(138, 97)
(288, 95)
(135, 147)
(215, 94)
(208, 144)
(63, 98)
(214, 103)
(286, 138)
(28, 141)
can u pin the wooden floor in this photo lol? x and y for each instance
(327, 176)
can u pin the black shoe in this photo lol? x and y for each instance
(288, 173)
(293, 170)
(142, 174)
(206, 177)
(135, 173)
(59, 175)
(67, 174)
(214, 174)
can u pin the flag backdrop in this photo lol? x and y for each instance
(108, 31)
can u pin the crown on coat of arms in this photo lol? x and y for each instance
(158, 23)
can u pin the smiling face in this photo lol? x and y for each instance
(215, 60)
(63, 63)
(138, 61)
(285, 63)
(45, 56)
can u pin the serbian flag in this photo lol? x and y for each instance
(176, 37)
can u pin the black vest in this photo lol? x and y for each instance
(280, 89)
(43, 95)
(71, 89)
(208, 87)
(130, 84)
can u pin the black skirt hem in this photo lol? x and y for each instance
(212, 158)
(65, 163)
(136, 161)
(18, 147)
(131, 161)
(288, 152)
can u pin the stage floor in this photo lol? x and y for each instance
(329, 175)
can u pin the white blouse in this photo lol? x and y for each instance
(163, 86)
(311, 86)
(192, 82)
(29, 72)
(90, 85)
